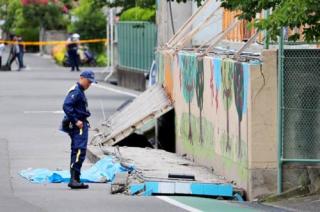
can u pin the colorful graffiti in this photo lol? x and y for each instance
(216, 71)
(207, 150)
(168, 82)
(227, 81)
(199, 91)
(164, 61)
(208, 145)
(212, 87)
(160, 65)
(238, 97)
(189, 63)
(210, 97)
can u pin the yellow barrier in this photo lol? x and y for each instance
(45, 43)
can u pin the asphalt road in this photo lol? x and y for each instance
(30, 114)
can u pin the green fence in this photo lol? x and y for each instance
(136, 42)
(299, 107)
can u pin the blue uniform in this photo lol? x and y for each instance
(73, 56)
(76, 108)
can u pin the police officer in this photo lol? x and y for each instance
(75, 123)
(72, 46)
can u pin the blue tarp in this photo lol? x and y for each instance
(103, 171)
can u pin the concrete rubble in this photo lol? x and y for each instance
(152, 164)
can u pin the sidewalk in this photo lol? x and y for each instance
(303, 203)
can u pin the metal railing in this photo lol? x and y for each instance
(136, 43)
(298, 106)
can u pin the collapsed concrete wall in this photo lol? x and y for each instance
(226, 115)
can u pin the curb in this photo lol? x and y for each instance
(295, 192)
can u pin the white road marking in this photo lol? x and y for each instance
(178, 204)
(115, 90)
(43, 112)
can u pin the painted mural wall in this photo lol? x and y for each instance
(211, 103)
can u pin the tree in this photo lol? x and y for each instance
(90, 23)
(44, 15)
(125, 4)
(8, 12)
(139, 14)
(285, 13)
(49, 13)
(199, 91)
(238, 98)
(227, 82)
(188, 66)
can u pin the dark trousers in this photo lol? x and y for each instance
(20, 58)
(79, 140)
(77, 158)
(74, 59)
(13, 57)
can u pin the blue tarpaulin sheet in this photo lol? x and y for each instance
(103, 171)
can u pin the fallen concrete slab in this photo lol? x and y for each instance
(155, 163)
(152, 167)
(131, 117)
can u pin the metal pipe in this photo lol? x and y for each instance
(187, 24)
(220, 37)
(111, 37)
(266, 34)
(108, 41)
(280, 91)
(247, 44)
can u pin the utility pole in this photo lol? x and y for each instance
(111, 20)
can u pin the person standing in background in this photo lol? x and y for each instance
(72, 48)
(21, 51)
(14, 53)
(2, 48)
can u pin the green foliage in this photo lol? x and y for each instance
(125, 4)
(26, 20)
(8, 11)
(188, 63)
(145, 3)
(15, 22)
(102, 59)
(207, 133)
(48, 16)
(238, 88)
(227, 82)
(139, 14)
(90, 23)
(28, 34)
(285, 13)
(199, 83)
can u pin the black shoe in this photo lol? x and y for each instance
(78, 70)
(71, 70)
(74, 184)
